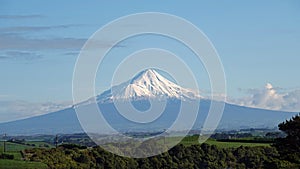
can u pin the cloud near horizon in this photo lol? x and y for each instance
(270, 98)
(20, 109)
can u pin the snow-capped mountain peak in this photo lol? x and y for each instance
(147, 84)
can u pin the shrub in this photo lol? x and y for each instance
(7, 156)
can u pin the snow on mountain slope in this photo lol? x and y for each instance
(147, 84)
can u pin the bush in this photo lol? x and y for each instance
(289, 147)
(7, 156)
(72, 146)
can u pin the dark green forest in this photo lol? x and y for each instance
(283, 153)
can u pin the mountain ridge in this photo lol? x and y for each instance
(146, 85)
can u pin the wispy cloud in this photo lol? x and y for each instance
(17, 42)
(20, 55)
(13, 110)
(71, 53)
(20, 16)
(35, 28)
(270, 97)
(12, 41)
(4, 96)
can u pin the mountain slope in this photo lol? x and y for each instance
(65, 121)
(146, 85)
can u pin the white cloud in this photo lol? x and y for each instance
(14, 110)
(292, 101)
(270, 98)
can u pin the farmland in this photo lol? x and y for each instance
(19, 162)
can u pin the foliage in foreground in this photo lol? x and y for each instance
(289, 147)
(284, 154)
(195, 156)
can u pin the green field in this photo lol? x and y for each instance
(18, 163)
(13, 147)
(234, 144)
(192, 140)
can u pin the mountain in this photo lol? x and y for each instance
(146, 86)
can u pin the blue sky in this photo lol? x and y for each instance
(258, 43)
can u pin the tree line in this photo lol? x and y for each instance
(284, 153)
